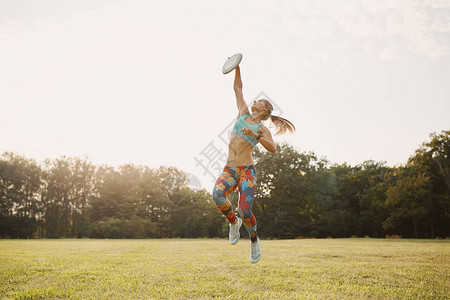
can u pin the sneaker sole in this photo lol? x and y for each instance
(260, 255)
(254, 262)
(239, 234)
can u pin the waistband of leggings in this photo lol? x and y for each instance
(241, 167)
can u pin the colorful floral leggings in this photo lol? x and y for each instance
(243, 177)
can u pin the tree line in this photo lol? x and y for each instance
(298, 195)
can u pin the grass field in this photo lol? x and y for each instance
(206, 268)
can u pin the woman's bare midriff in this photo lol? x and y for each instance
(239, 152)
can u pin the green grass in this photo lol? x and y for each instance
(206, 268)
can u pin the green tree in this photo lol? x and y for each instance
(199, 217)
(115, 192)
(20, 183)
(67, 190)
(342, 218)
(408, 200)
(433, 158)
(359, 205)
(294, 191)
(419, 199)
(83, 191)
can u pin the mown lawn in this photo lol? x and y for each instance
(206, 268)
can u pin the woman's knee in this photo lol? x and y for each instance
(248, 217)
(244, 214)
(218, 196)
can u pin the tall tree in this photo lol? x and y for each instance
(427, 210)
(20, 182)
(408, 200)
(358, 207)
(83, 191)
(294, 191)
(56, 197)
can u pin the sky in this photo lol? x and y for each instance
(140, 82)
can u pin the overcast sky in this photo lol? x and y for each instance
(140, 81)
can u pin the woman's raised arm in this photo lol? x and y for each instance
(241, 105)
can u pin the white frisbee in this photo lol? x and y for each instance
(231, 63)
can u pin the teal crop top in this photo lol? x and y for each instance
(240, 123)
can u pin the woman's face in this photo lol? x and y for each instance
(259, 105)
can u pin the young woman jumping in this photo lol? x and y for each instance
(239, 171)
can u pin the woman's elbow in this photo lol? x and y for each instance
(273, 149)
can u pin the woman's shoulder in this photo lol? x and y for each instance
(243, 115)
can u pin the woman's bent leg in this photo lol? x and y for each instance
(225, 184)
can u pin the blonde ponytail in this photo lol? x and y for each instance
(282, 125)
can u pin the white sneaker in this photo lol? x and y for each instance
(255, 254)
(234, 231)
